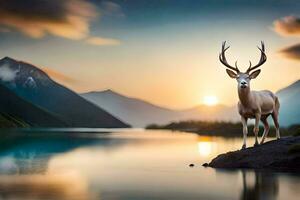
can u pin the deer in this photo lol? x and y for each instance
(258, 105)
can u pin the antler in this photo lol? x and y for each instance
(223, 60)
(263, 58)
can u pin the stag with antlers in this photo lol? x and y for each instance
(253, 104)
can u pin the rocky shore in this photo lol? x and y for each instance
(282, 155)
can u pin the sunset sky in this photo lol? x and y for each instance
(165, 52)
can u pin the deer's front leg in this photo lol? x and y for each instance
(245, 131)
(256, 127)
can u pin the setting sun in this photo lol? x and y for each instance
(210, 100)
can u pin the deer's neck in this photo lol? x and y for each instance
(245, 96)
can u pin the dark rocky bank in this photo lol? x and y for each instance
(281, 155)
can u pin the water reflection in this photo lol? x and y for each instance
(128, 165)
(205, 145)
(47, 186)
(30, 153)
(264, 187)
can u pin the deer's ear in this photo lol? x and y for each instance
(254, 74)
(231, 73)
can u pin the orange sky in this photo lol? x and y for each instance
(181, 81)
(165, 53)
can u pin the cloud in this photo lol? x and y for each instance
(100, 41)
(292, 52)
(7, 74)
(56, 75)
(112, 9)
(36, 18)
(288, 26)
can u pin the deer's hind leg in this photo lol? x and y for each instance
(256, 127)
(275, 119)
(266, 128)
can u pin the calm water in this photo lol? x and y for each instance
(131, 164)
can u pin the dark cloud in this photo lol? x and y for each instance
(288, 26)
(36, 18)
(47, 10)
(292, 51)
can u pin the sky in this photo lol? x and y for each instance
(162, 51)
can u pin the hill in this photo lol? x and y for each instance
(289, 96)
(136, 112)
(36, 87)
(140, 113)
(16, 112)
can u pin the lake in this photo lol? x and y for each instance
(128, 164)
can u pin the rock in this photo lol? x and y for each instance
(30, 83)
(205, 165)
(279, 155)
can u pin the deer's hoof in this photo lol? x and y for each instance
(244, 146)
(256, 144)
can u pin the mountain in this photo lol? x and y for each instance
(16, 112)
(140, 113)
(36, 87)
(136, 112)
(7, 121)
(289, 98)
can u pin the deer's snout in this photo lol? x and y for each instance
(243, 84)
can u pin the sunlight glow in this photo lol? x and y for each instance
(205, 146)
(210, 100)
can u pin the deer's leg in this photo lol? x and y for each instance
(256, 127)
(245, 131)
(275, 119)
(266, 129)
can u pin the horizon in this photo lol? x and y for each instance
(193, 106)
(155, 51)
(133, 97)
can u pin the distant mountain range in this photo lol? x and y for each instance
(29, 97)
(140, 113)
(136, 112)
(289, 98)
(32, 96)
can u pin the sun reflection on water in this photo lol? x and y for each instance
(205, 146)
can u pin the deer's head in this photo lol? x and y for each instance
(243, 78)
